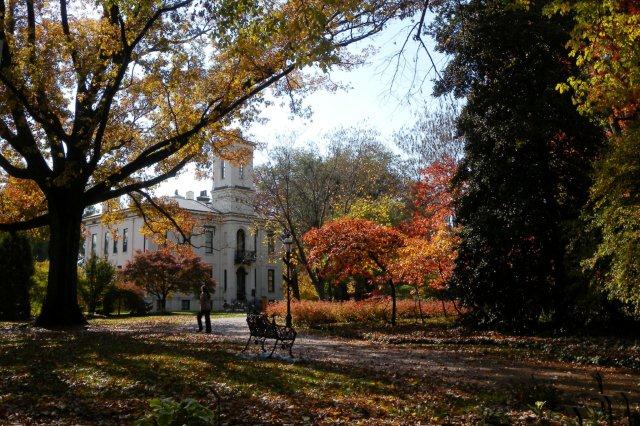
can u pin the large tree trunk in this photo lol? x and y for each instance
(60, 306)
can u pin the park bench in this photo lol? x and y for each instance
(235, 307)
(261, 329)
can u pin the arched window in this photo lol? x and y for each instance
(240, 246)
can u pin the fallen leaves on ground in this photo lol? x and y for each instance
(107, 372)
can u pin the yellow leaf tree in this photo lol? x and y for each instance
(103, 98)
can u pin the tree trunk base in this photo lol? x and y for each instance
(60, 308)
(59, 318)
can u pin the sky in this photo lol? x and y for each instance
(373, 99)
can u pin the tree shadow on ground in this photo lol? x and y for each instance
(108, 374)
(92, 377)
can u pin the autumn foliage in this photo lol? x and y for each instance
(166, 271)
(346, 248)
(104, 99)
(316, 313)
(430, 247)
(419, 252)
(20, 199)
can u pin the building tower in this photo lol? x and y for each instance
(233, 188)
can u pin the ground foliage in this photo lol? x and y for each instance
(111, 371)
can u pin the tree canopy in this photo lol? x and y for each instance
(525, 174)
(302, 188)
(605, 42)
(346, 248)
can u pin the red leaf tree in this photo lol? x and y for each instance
(429, 253)
(168, 270)
(346, 248)
(420, 253)
(432, 199)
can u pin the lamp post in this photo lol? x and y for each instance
(287, 241)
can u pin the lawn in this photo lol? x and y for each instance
(108, 373)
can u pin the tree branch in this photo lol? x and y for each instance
(418, 37)
(25, 225)
(170, 146)
(98, 194)
(104, 107)
(186, 239)
(16, 172)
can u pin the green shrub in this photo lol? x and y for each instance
(490, 416)
(125, 297)
(97, 278)
(38, 290)
(167, 412)
(532, 391)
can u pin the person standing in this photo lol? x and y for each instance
(205, 309)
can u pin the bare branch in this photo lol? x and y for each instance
(418, 37)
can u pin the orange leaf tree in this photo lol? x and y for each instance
(346, 248)
(428, 256)
(20, 199)
(432, 199)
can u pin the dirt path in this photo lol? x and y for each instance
(449, 364)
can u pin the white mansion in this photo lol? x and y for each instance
(244, 260)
